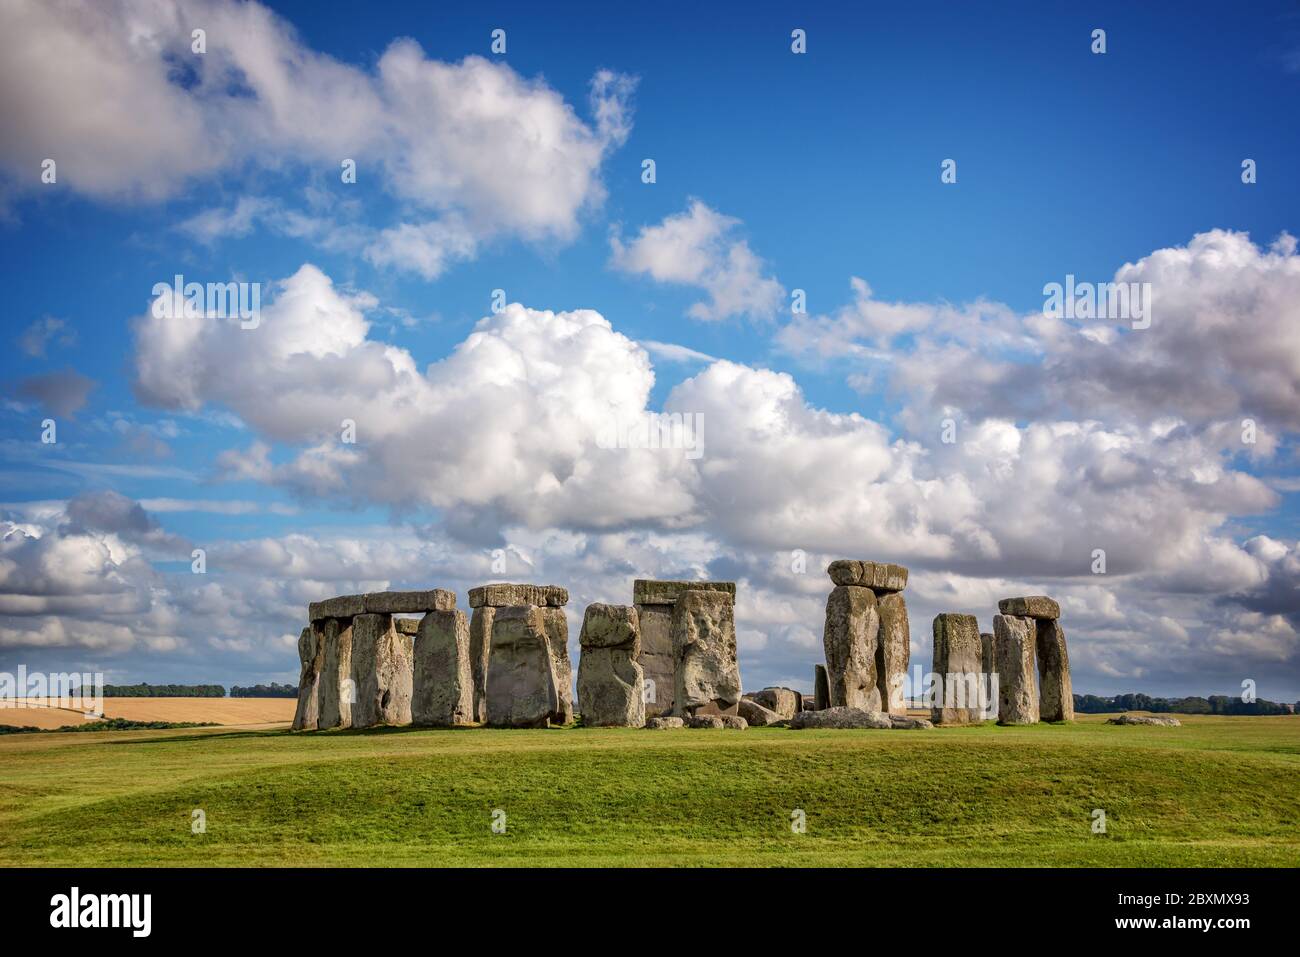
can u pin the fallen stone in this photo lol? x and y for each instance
(649, 591)
(734, 722)
(1035, 606)
(849, 639)
(1055, 690)
(610, 680)
(893, 651)
(337, 689)
(382, 671)
(704, 649)
(809, 704)
(1161, 720)
(757, 715)
(908, 722)
(557, 640)
(821, 688)
(841, 717)
(1014, 654)
(311, 657)
(706, 721)
(443, 686)
(879, 576)
(664, 723)
(957, 659)
(521, 685)
(503, 595)
(783, 701)
(480, 649)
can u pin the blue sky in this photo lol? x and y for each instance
(775, 171)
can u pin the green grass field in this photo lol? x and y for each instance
(1218, 791)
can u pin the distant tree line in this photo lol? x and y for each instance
(1214, 704)
(145, 690)
(272, 690)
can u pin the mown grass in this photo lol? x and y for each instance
(1218, 791)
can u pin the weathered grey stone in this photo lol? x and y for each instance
(557, 639)
(809, 704)
(337, 689)
(409, 602)
(480, 649)
(841, 717)
(957, 659)
(988, 660)
(706, 721)
(649, 591)
(657, 662)
(849, 638)
(344, 606)
(504, 595)
(311, 657)
(783, 701)
(757, 715)
(734, 722)
(610, 680)
(893, 651)
(1014, 655)
(1055, 690)
(407, 626)
(908, 722)
(521, 686)
(664, 723)
(821, 688)
(382, 671)
(1162, 720)
(878, 576)
(704, 649)
(443, 688)
(1034, 606)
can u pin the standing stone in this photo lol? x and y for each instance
(337, 690)
(443, 687)
(382, 671)
(480, 646)
(821, 688)
(657, 662)
(311, 654)
(610, 680)
(704, 648)
(850, 636)
(893, 651)
(521, 685)
(1056, 693)
(988, 659)
(957, 660)
(1014, 650)
(557, 639)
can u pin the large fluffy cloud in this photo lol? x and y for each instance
(114, 93)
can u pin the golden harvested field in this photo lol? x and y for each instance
(219, 710)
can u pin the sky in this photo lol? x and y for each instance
(840, 269)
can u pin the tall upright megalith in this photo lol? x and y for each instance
(958, 665)
(488, 601)
(311, 657)
(704, 651)
(442, 694)
(382, 662)
(521, 684)
(1055, 690)
(1013, 640)
(654, 601)
(337, 692)
(866, 615)
(610, 680)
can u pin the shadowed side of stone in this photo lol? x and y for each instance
(1056, 691)
(382, 672)
(521, 683)
(311, 657)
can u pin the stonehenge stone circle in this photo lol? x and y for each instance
(521, 688)
(707, 676)
(443, 688)
(1014, 644)
(610, 680)
(849, 639)
(821, 688)
(382, 660)
(654, 602)
(311, 655)
(957, 660)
